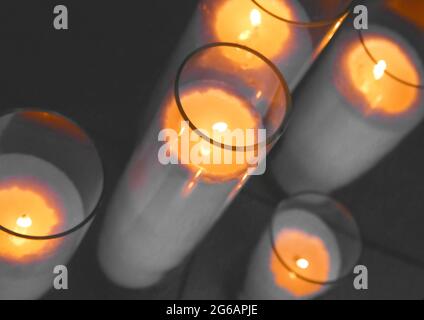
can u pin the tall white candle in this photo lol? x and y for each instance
(36, 199)
(351, 111)
(161, 212)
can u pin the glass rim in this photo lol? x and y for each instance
(100, 201)
(316, 23)
(287, 95)
(390, 74)
(344, 211)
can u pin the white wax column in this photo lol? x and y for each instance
(31, 278)
(261, 282)
(330, 141)
(154, 222)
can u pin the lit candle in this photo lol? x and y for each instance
(368, 84)
(161, 211)
(259, 26)
(355, 108)
(217, 112)
(241, 21)
(36, 199)
(27, 210)
(288, 33)
(299, 264)
(51, 180)
(173, 207)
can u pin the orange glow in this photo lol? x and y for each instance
(217, 112)
(327, 38)
(305, 255)
(192, 183)
(242, 22)
(411, 10)
(56, 122)
(27, 210)
(380, 92)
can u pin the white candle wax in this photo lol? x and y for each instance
(263, 273)
(160, 212)
(31, 275)
(332, 139)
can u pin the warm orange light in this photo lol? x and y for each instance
(305, 255)
(330, 34)
(56, 122)
(218, 112)
(241, 21)
(380, 92)
(27, 210)
(411, 10)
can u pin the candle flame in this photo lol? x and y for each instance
(24, 221)
(302, 263)
(380, 69)
(255, 18)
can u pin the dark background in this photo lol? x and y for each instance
(102, 72)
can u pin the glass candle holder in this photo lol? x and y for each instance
(185, 171)
(290, 33)
(312, 243)
(359, 103)
(51, 180)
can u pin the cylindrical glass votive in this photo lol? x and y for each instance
(312, 243)
(168, 200)
(291, 33)
(51, 180)
(365, 95)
